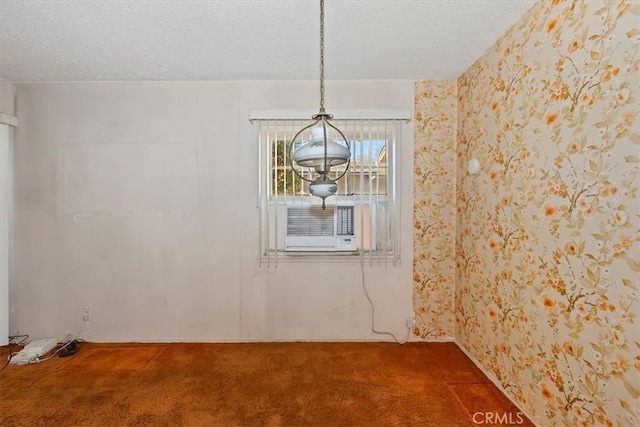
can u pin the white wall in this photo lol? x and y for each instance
(139, 199)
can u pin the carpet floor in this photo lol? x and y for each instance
(254, 384)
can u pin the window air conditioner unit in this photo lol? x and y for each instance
(310, 228)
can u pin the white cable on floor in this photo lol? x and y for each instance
(24, 338)
(38, 360)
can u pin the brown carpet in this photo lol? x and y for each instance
(253, 384)
(485, 404)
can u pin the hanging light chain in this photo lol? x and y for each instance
(322, 56)
(323, 186)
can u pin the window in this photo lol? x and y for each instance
(367, 172)
(367, 193)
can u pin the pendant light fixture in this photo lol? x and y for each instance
(321, 152)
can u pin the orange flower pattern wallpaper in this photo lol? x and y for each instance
(434, 209)
(548, 233)
(546, 237)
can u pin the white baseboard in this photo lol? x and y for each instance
(445, 339)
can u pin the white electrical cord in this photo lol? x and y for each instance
(14, 337)
(39, 360)
(373, 308)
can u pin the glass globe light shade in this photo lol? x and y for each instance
(311, 154)
(323, 187)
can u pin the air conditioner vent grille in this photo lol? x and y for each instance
(345, 221)
(310, 221)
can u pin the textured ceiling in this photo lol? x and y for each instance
(76, 40)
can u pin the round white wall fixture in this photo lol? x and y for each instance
(474, 166)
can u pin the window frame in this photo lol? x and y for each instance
(379, 212)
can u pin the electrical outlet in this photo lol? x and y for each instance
(410, 320)
(86, 313)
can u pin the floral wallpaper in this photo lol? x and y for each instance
(548, 233)
(434, 209)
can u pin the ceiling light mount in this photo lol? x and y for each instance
(321, 152)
